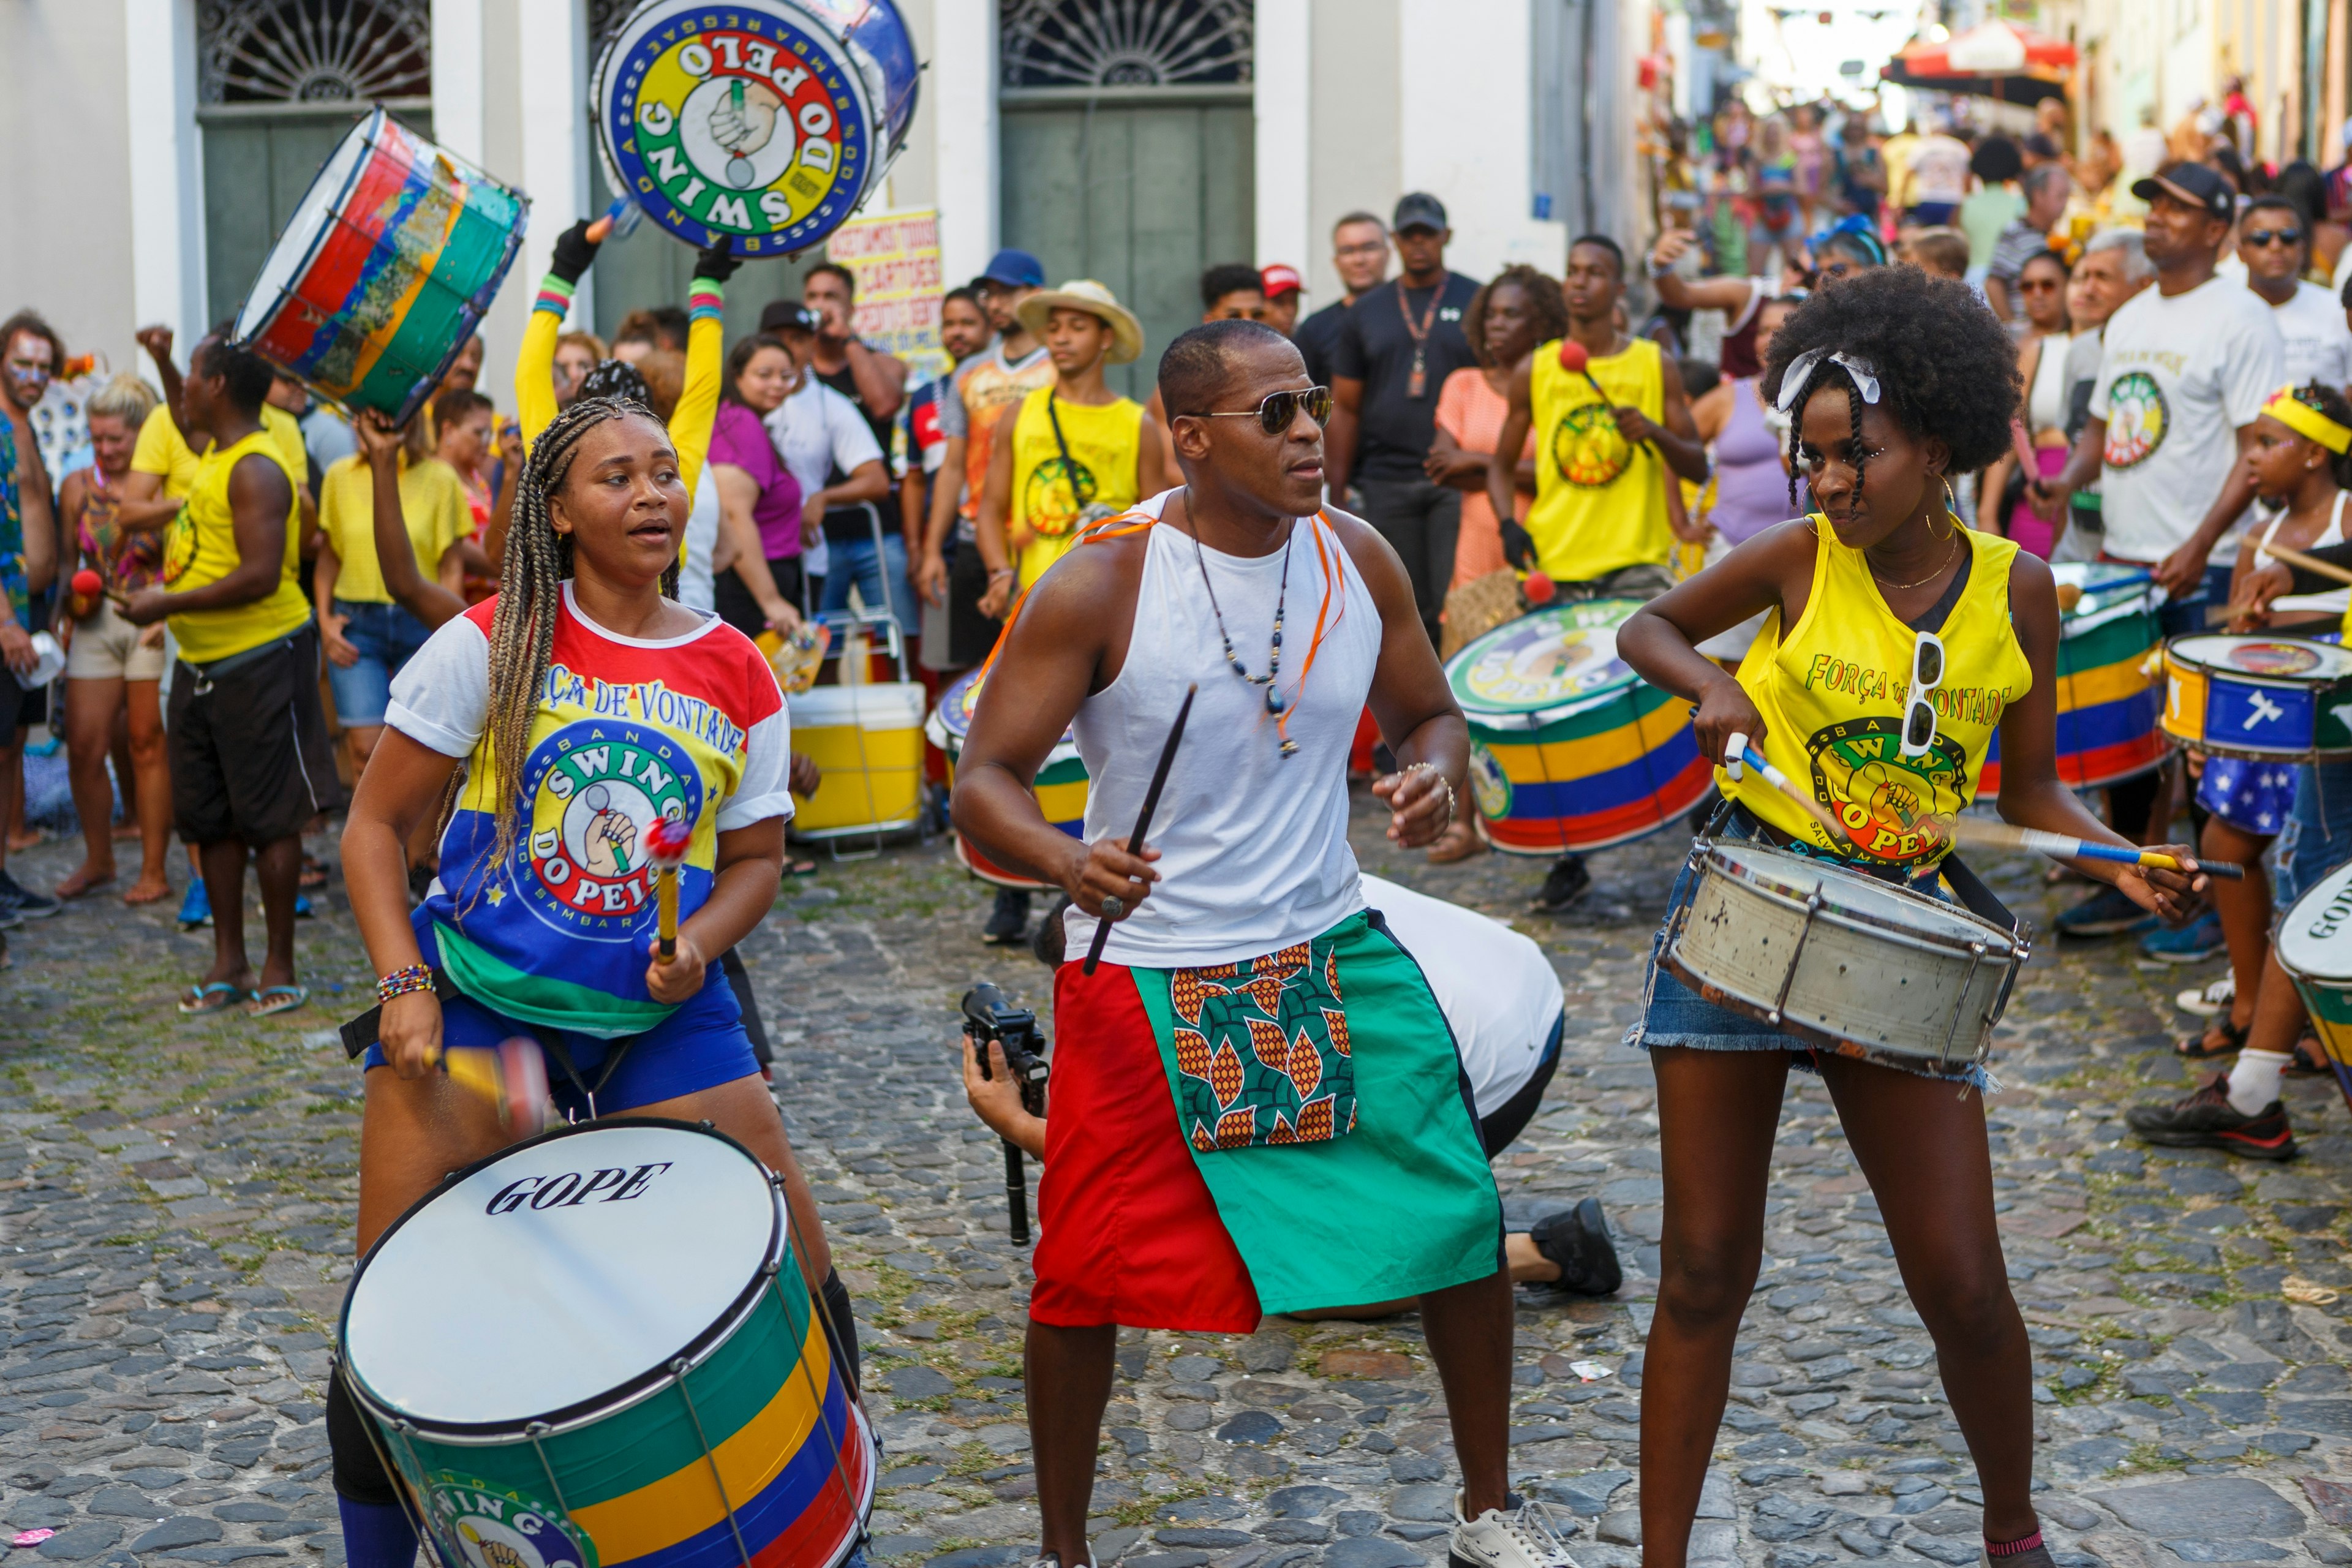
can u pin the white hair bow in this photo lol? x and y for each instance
(1863, 374)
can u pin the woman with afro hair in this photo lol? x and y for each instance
(1893, 380)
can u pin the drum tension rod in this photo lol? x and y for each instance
(535, 1431)
(1960, 1002)
(1789, 977)
(677, 1377)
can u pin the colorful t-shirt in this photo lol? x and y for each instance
(1600, 500)
(432, 503)
(983, 386)
(741, 441)
(128, 561)
(200, 547)
(12, 529)
(165, 453)
(691, 728)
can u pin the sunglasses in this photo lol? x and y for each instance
(2267, 237)
(1280, 408)
(1919, 712)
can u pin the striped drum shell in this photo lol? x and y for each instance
(2108, 699)
(596, 1348)
(1060, 786)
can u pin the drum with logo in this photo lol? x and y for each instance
(2107, 695)
(2265, 699)
(2314, 947)
(1060, 787)
(1568, 748)
(596, 1347)
(766, 123)
(385, 270)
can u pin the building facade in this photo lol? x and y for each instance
(161, 146)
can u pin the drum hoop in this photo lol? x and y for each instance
(2281, 682)
(375, 121)
(1715, 995)
(611, 1402)
(1854, 920)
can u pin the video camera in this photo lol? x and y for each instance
(989, 1016)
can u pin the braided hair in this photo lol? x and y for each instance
(2323, 399)
(530, 588)
(1825, 373)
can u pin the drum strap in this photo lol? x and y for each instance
(367, 1029)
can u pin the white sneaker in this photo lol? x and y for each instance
(2208, 1001)
(1525, 1537)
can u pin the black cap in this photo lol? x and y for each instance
(2193, 184)
(1418, 210)
(789, 316)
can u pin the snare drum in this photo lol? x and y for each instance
(596, 1348)
(1568, 748)
(2314, 947)
(2107, 697)
(385, 270)
(1060, 787)
(1833, 955)
(2265, 699)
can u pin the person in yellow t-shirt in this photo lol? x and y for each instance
(247, 740)
(1897, 645)
(1044, 483)
(368, 636)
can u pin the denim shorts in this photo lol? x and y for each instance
(387, 635)
(1674, 1015)
(2319, 838)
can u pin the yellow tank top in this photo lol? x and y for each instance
(200, 547)
(1832, 691)
(1050, 498)
(1600, 500)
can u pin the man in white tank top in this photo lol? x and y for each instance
(1257, 1065)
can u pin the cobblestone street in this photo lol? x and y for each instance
(176, 1200)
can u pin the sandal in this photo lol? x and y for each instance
(2309, 1060)
(213, 997)
(798, 868)
(1460, 841)
(276, 999)
(2195, 1050)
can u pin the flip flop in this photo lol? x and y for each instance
(276, 999)
(214, 997)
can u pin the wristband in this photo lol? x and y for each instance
(401, 982)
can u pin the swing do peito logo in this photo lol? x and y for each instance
(493, 1527)
(749, 131)
(595, 791)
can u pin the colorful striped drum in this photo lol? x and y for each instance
(2314, 947)
(385, 270)
(2260, 697)
(596, 1348)
(2107, 697)
(1568, 748)
(1060, 788)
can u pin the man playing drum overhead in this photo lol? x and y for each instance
(1899, 641)
(1241, 928)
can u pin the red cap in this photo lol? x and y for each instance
(87, 583)
(1278, 279)
(1572, 357)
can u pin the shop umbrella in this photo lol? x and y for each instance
(1998, 59)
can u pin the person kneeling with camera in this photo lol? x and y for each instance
(1504, 1002)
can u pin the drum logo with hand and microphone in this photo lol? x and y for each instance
(496, 1528)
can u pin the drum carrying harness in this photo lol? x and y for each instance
(367, 1029)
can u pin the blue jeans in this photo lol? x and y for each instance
(881, 579)
(2319, 837)
(387, 635)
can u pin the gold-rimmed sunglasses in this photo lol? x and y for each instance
(1274, 416)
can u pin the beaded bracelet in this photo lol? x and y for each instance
(401, 982)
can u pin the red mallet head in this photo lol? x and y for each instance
(1572, 357)
(667, 841)
(1538, 588)
(522, 1075)
(88, 584)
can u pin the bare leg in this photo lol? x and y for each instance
(223, 871)
(151, 776)
(1923, 1147)
(1717, 1114)
(1069, 1382)
(279, 866)
(91, 706)
(1469, 1329)
(2245, 909)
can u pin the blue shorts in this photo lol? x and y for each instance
(2252, 797)
(2319, 837)
(386, 636)
(700, 1047)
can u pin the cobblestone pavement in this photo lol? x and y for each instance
(175, 1210)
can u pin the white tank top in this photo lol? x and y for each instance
(1254, 845)
(2332, 535)
(2045, 400)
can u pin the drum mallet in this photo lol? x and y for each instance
(666, 843)
(1144, 818)
(1576, 359)
(512, 1076)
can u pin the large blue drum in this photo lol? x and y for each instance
(766, 123)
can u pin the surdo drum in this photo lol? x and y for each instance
(2314, 947)
(596, 1348)
(1060, 786)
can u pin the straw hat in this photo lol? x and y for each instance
(1085, 294)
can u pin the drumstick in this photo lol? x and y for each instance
(1144, 817)
(666, 843)
(512, 1076)
(2308, 562)
(1576, 359)
(2063, 847)
(1788, 786)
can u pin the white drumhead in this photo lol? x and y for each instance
(301, 230)
(483, 1307)
(1854, 893)
(2315, 939)
(2264, 657)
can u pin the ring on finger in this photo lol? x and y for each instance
(1113, 906)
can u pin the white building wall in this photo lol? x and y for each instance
(961, 90)
(1282, 83)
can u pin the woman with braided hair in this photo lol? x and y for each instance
(1892, 380)
(583, 705)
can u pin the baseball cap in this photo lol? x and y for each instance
(1418, 210)
(1016, 269)
(2192, 182)
(789, 316)
(1278, 279)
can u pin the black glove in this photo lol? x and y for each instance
(1518, 548)
(718, 261)
(574, 253)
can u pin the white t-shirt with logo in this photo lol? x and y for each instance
(2178, 376)
(1494, 986)
(2318, 344)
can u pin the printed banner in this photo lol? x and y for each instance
(895, 256)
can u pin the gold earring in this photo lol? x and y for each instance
(1951, 505)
